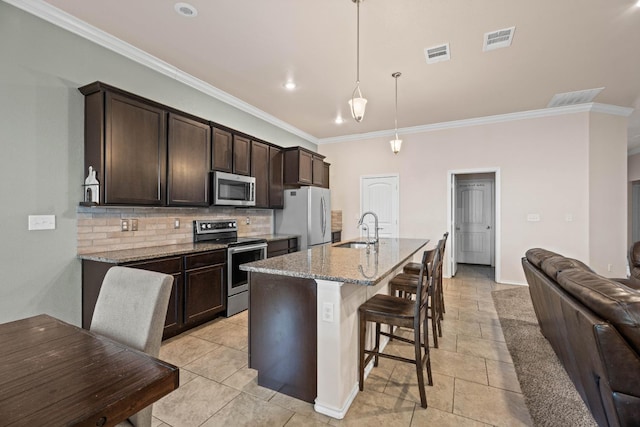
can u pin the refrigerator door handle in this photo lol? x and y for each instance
(324, 216)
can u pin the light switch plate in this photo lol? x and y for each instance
(42, 222)
(533, 217)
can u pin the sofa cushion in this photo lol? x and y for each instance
(554, 264)
(612, 301)
(537, 255)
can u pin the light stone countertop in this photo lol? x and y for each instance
(142, 254)
(328, 262)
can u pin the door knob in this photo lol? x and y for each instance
(488, 227)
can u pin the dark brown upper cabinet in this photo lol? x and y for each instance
(260, 170)
(241, 155)
(302, 167)
(276, 178)
(189, 162)
(318, 171)
(126, 143)
(222, 150)
(326, 168)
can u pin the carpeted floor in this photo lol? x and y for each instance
(549, 393)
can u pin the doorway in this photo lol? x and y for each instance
(473, 219)
(635, 211)
(380, 194)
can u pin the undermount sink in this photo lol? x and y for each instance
(353, 245)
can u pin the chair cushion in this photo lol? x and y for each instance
(612, 301)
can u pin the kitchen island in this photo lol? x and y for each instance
(303, 317)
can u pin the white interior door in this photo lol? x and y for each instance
(474, 221)
(380, 194)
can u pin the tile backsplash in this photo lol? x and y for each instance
(336, 220)
(99, 228)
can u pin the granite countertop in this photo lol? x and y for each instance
(142, 254)
(329, 262)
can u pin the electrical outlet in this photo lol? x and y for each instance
(134, 225)
(124, 225)
(248, 221)
(609, 267)
(327, 312)
(176, 223)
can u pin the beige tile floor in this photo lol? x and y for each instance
(475, 383)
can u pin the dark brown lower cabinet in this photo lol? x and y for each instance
(204, 290)
(282, 246)
(283, 334)
(198, 294)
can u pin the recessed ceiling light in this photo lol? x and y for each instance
(185, 9)
(290, 85)
(339, 120)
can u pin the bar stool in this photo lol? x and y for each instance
(405, 285)
(399, 312)
(414, 268)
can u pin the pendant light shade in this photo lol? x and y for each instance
(357, 103)
(396, 143)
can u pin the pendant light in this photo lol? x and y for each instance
(396, 143)
(357, 103)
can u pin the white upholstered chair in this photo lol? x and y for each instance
(131, 309)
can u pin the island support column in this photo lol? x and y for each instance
(337, 361)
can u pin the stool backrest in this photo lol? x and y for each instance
(425, 284)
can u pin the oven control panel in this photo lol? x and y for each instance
(214, 226)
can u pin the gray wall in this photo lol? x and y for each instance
(41, 152)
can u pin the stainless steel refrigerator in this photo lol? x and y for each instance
(307, 213)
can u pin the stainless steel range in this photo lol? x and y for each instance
(240, 250)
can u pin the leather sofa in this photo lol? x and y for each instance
(593, 325)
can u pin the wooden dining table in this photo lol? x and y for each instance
(56, 374)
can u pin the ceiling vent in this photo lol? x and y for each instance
(437, 53)
(573, 98)
(498, 39)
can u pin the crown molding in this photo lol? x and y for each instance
(522, 115)
(74, 25)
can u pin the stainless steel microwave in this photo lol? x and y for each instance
(233, 190)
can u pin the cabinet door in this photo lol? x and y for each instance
(204, 293)
(188, 162)
(318, 171)
(241, 155)
(222, 151)
(260, 170)
(325, 184)
(305, 168)
(135, 152)
(276, 178)
(173, 266)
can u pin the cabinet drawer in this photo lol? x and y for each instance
(293, 244)
(205, 259)
(166, 266)
(278, 245)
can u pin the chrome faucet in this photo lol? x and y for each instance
(375, 217)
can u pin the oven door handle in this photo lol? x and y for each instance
(246, 248)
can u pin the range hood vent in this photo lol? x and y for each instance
(437, 53)
(498, 39)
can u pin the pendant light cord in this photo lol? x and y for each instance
(358, 42)
(396, 75)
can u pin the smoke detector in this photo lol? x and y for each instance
(185, 9)
(498, 39)
(437, 53)
(573, 98)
